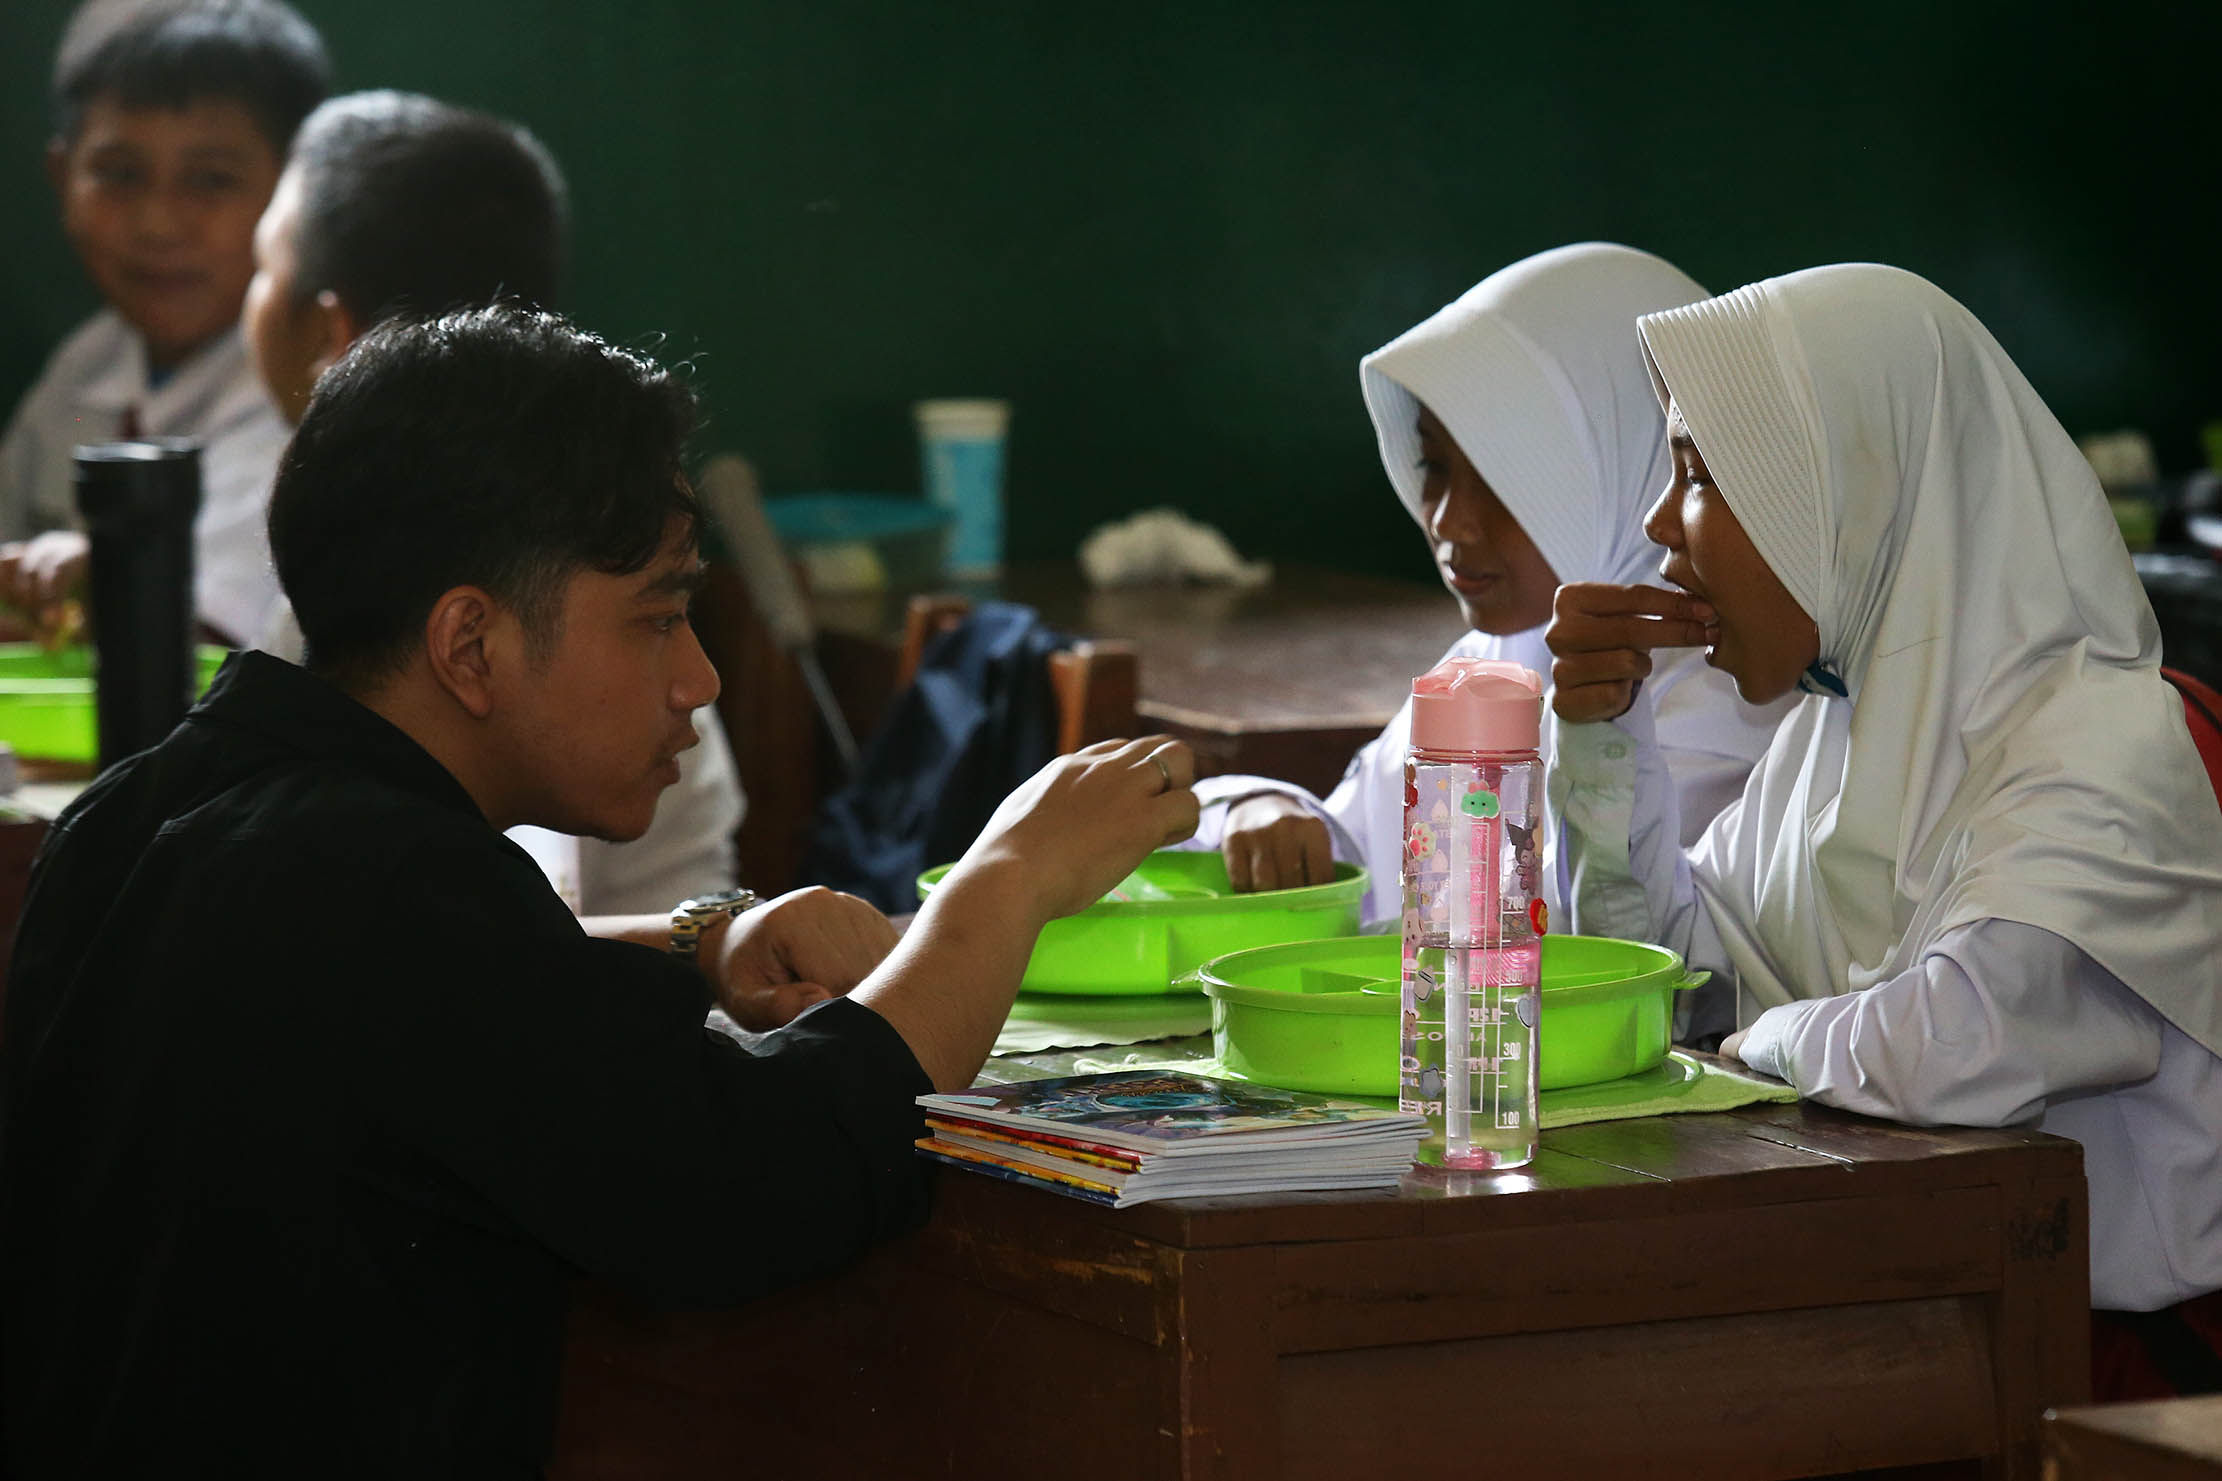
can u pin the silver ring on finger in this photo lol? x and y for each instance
(1162, 770)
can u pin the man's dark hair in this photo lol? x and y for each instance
(499, 447)
(411, 205)
(172, 53)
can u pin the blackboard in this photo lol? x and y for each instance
(1168, 232)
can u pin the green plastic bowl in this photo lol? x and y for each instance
(1323, 1015)
(46, 699)
(1169, 916)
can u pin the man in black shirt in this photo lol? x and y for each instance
(315, 1095)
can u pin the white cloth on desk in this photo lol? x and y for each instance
(1535, 374)
(687, 850)
(1994, 859)
(97, 375)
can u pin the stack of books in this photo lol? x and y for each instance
(1137, 1135)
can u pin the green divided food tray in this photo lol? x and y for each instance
(46, 699)
(1323, 1015)
(1171, 914)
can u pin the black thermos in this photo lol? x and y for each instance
(138, 501)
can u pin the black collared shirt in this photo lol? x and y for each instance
(315, 1096)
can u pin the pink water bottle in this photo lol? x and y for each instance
(1473, 912)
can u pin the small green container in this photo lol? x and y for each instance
(1171, 914)
(46, 699)
(1322, 1015)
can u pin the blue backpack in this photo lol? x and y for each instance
(979, 719)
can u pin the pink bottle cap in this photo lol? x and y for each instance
(1477, 704)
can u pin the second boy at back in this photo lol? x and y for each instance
(392, 203)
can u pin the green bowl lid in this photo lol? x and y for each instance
(1181, 882)
(1363, 974)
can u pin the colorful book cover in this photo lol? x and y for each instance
(978, 1159)
(1115, 1158)
(1166, 1112)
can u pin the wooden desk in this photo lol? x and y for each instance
(1781, 1291)
(2167, 1440)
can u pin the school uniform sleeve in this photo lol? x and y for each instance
(1995, 1020)
(235, 586)
(35, 491)
(18, 459)
(1626, 872)
(1364, 814)
(1709, 737)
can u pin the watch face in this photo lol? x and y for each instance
(717, 900)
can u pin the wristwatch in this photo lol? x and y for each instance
(690, 917)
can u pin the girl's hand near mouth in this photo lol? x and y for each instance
(1601, 638)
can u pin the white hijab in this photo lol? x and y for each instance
(1532, 374)
(2007, 748)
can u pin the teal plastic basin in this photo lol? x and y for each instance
(46, 699)
(1323, 1015)
(1171, 915)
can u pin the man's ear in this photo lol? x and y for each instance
(337, 327)
(57, 165)
(466, 641)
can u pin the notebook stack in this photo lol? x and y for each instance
(1137, 1135)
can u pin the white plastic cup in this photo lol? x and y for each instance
(960, 446)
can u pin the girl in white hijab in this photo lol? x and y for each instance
(1977, 877)
(1518, 427)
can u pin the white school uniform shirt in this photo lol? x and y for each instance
(687, 850)
(1981, 884)
(1536, 374)
(91, 381)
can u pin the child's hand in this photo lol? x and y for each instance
(1082, 823)
(1272, 843)
(39, 572)
(1601, 639)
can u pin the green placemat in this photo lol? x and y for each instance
(1043, 1021)
(1677, 1085)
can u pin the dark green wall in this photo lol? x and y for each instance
(1168, 232)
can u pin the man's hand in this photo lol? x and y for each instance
(772, 962)
(40, 572)
(1272, 843)
(1074, 830)
(1601, 639)
(1080, 824)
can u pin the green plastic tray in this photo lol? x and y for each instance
(1172, 914)
(46, 699)
(1323, 1015)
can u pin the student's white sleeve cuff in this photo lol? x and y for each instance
(1769, 1042)
(1216, 796)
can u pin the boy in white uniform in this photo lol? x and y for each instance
(171, 121)
(392, 204)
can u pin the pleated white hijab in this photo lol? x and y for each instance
(2007, 748)
(1535, 375)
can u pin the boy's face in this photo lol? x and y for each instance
(291, 339)
(1502, 582)
(594, 729)
(161, 204)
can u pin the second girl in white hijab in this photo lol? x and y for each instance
(1977, 877)
(1518, 427)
